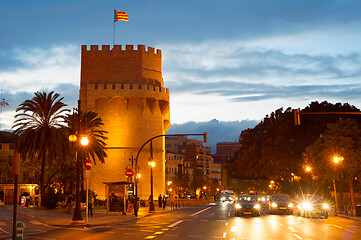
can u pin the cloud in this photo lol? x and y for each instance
(214, 62)
(217, 131)
(36, 68)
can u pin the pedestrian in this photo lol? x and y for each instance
(69, 201)
(164, 201)
(160, 200)
(90, 203)
(172, 200)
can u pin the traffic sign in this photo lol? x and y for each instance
(129, 172)
(88, 164)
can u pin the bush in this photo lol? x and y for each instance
(50, 199)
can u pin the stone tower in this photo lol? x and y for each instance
(125, 87)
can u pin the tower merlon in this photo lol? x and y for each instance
(128, 48)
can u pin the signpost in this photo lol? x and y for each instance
(88, 166)
(129, 173)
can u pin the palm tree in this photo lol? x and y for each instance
(91, 127)
(40, 126)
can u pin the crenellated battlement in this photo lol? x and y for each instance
(126, 87)
(94, 49)
(116, 64)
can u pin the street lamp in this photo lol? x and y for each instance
(151, 203)
(77, 216)
(308, 171)
(336, 160)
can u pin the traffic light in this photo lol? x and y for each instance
(205, 137)
(296, 115)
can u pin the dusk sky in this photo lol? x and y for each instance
(224, 62)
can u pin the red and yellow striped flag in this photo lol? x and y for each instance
(120, 16)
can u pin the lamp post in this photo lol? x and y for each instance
(150, 140)
(308, 171)
(83, 141)
(151, 163)
(336, 160)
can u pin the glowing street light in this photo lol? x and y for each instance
(151, 204)
(336, 160)
(84, 141)
(308, 170)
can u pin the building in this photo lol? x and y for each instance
(196, 156)
(125, 87)
(174, 164)
(225, 150)
(6, 173)
(224, 153)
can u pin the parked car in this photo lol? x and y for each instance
(247, 205)
(312, 206)
(280, 204)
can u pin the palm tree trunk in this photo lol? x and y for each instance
(42, 177)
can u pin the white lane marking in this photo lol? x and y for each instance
(280, 224)
(221, 220)
(226, 224)
(297, 236)
(4, 231)
(292, 230)
(349, 230)
(211, 203)
(39, 223)
(200, 211)
(224, 235)
(337, 226)
(175, 224)
(171, 235)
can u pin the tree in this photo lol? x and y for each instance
(39, 122)
(91, 127)
(340, 139)
(273, 149)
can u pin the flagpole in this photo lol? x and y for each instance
(114, 30)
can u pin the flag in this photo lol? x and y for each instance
(120, 16)
(4, 103)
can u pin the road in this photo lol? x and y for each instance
(198, 222)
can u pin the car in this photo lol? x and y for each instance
(247, 205)
(227, 196)
(312, 206)
(280, 204)
(264, 200)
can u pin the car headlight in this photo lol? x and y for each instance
(290, 205)
(307, 206)
(325, 206)
(238, 206)
(274, 205)
(263, 199)
(257, 206)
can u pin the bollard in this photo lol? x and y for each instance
(19, 231)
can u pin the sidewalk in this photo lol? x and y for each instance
(100, 217)
(353, 217)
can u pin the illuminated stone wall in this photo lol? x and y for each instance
(125, 87)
